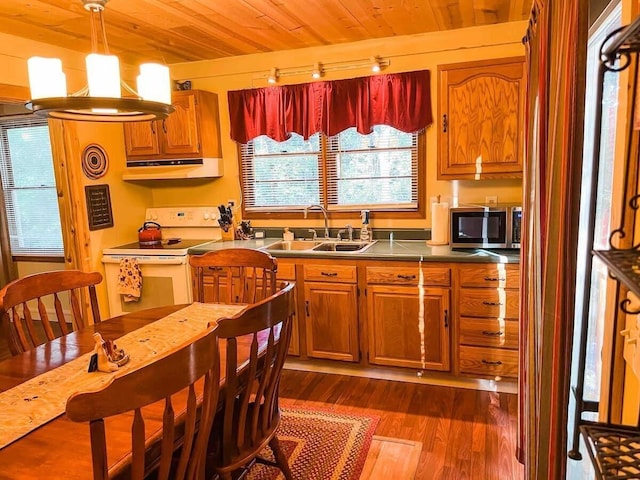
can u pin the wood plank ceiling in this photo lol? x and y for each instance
(172, 31)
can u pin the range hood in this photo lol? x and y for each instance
(173, 169)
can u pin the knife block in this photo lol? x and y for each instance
(230, 234)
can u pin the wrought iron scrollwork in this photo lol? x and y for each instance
(624, 306)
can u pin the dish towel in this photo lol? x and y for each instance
(129, 280)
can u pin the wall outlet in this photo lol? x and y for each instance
(491, 199)
(231, 203)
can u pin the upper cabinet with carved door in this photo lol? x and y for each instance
(191, 131)
(481, 119)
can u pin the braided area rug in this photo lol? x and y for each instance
(320, 445)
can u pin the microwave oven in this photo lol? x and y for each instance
(496, 226)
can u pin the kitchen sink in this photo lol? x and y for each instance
(342, 246)
(294, 245)
(310, 246)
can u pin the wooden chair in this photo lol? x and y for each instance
(249, 419)
(155, 382)
(42, 288)
(233, 275)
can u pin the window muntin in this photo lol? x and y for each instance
(378, 170)
(28, 183)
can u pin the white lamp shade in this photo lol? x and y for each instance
(46, 78)
(103, 75)
(154, 83)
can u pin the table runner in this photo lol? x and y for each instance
(39, 400)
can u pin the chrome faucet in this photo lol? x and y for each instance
(324, 213)
(348, 229)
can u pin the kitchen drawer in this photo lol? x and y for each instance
(488, 361)
(489, 332)
(490, 275)
(286, 271)
(330, 273)
(492, 303)
(432, 276)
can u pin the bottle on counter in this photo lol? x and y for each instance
(287, 236)
(365, 232)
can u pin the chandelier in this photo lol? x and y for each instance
(101, 99)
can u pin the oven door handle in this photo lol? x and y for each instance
(178, 260)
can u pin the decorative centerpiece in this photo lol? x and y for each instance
(107, 356)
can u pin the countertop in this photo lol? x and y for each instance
(407, 250)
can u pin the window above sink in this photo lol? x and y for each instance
(344, 173)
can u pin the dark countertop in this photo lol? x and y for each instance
(407, 250)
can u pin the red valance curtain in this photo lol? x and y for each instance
(400, 100)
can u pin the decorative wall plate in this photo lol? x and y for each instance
(94, 161)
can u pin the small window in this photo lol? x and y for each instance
(29, 187)
(375, 170)
(346, 172)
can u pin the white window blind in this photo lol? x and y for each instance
(348, 171)
(379, 169)
(281, 174)
(29, 187)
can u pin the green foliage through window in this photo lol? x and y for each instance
(28, 183)
(378, 170)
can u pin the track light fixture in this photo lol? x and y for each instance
(375, 65)
(317, 70)
(273, 76)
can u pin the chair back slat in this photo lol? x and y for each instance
(234, 275)
(138, 446)
(157, 381)
(45, 289)
(62, 321)
(251, 412)
(76, 310)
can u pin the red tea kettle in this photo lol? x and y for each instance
(150, 234)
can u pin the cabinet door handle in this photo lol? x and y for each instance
(164, 126)
(446, 319)
(445, 123)
(407, 277)
(494, 279)
(306, 307)
(486, 333)
(487, 362)
(153, 127)
(329, 274)
(492, 304)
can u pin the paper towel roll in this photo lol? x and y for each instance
(439, 223)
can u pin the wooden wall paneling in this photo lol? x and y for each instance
(170, 31)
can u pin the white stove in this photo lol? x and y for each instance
(166, 274)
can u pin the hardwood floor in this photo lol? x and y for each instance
(466, 434)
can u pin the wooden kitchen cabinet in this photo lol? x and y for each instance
(287, 272)
(408, 316)
(481, 106)
(487, 319)
(331, 311)
(191, 131)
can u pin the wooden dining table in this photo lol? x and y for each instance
(61, 448)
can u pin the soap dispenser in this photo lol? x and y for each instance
(287, 235)
(365, 232)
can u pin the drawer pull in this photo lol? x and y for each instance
(494, 279)
(493, 304)
(407, 277)
(486, 333)
(215, 269)
(329, 274)
(487, 362)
